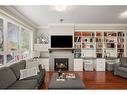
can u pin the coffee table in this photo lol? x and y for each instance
(75, 83)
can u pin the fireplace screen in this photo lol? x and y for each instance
(61, 64)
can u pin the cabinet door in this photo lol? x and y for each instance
(88, 65)
(100, 65)
(78, 65)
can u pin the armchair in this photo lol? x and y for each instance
(120, 68)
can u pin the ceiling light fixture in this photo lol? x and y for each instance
(123, 15)
(61, 20)
(60, 7)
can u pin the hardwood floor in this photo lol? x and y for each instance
(95, 80)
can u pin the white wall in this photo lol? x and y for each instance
(66, 30)
(57, 29)
(43, 51)
(101, 27)
(61, 29)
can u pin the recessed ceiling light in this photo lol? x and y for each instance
(60, 7)
(123, 15)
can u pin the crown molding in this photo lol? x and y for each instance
(100, 24)
(90, 25)
(15, 15)
(43, 27)
(57, 24)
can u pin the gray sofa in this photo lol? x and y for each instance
(9, 77)
(120, 68)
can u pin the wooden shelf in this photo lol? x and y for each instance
(55, 49)
(61, 48)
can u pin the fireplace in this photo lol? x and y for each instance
(61, 64)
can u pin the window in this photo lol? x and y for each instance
(17, 42)
(25, 39)
(1, 35)
(12, 57)
(25, 54)
(13, 36)
(25, 43)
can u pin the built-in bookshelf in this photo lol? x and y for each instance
(77, 44)
(88, 44)
(99, 44)
(88, 40)
(120, 44)
(77, 40)
(110, 44)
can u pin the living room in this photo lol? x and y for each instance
(51, 47)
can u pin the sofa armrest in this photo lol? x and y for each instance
(116, 65)
(40, 67)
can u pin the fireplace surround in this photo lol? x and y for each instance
(62, 54)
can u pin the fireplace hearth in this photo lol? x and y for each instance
(61, 64)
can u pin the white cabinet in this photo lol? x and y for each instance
(78, 65)
(88, 65)
(45, 62)
(100, 64)
(41, 50)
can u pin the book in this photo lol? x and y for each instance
(58, 79)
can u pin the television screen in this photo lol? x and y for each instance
(61, 41)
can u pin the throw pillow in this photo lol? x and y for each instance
(24, 73)
(32, 64)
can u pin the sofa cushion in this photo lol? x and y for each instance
(17, 67)
(24, 84)
(40, 76)
(123, 61)
(7, 77)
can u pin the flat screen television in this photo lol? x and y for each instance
(61, 41)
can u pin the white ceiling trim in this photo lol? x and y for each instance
(100, 24)
(85, 25)
(12, 13)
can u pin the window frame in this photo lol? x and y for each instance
(5, 51)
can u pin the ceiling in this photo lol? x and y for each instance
(77, 14)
